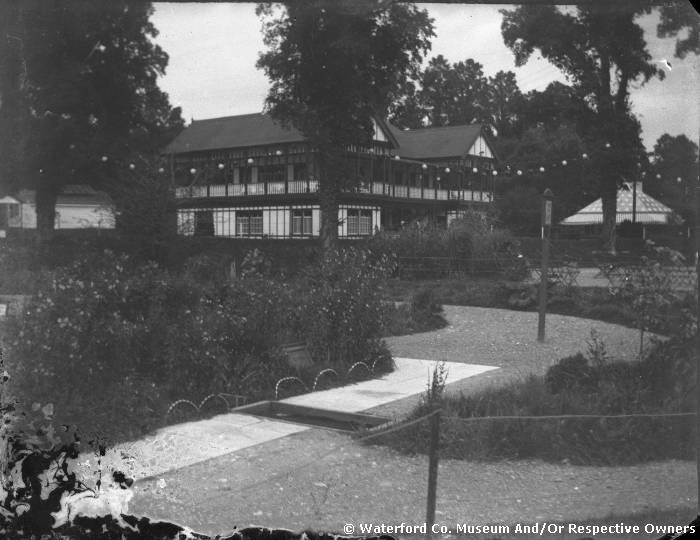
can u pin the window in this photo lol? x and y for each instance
(249, 223)
(14, 211)
(204, 223)
(359, 222)
(302, 223)
(300, 171)
(272, 173)
(246, 175)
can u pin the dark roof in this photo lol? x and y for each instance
(439, 142)
(260, 129)
(73, 194)
(232, 132)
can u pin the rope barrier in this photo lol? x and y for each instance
(570, 416)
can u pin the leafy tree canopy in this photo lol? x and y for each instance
(452, 94)
(334, 65)
(601, 50)
(681, 18)
(79, 81)
(673, 173)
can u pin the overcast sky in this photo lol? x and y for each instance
(213, 49)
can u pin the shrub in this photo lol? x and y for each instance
(112, 342)
(662, 383)
(108, 336)
(424, 301)
(471, 244)
(339, 312)
(421, 314)
(571, 373)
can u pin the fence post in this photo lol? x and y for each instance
(433, 470)
(697, 314)
(546, 229)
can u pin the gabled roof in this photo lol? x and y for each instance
(260, 129)
(232, 132)
(71, 195)
(436, 142)
(647, 209)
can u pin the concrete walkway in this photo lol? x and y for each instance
(181, 445)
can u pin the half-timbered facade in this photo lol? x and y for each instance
(247, 176)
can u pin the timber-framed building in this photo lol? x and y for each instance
(247, 176)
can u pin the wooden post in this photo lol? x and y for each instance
(433, 470)
(697, 353)
(546, 228)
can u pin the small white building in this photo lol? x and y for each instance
(77, 207)
(633, 206)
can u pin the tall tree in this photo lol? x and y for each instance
(602, 51)
(333, 65)
(79, 83)
(504, 103)
(673, 174)
(676, 18)
(453, 94)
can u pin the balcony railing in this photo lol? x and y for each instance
(311, 186)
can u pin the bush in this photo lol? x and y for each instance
(108, 336)
(112, 342)
(422, 313)
(662, 383)
(569, 374)
(424, 301)
(471, 244)
(339, 312)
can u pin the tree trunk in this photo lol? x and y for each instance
(45, 215)
(328, 198)
(609, 200)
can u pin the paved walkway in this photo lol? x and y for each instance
(182, 445)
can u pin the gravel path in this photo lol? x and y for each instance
(508, 339)
(323, 479)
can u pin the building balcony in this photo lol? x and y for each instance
(378, 189)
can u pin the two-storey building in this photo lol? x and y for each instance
(247, 176)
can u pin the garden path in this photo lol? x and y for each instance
(323, 479)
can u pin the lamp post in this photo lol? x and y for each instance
(546, 230)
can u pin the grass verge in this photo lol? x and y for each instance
(489, 425)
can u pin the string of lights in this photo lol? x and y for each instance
(503, 170)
